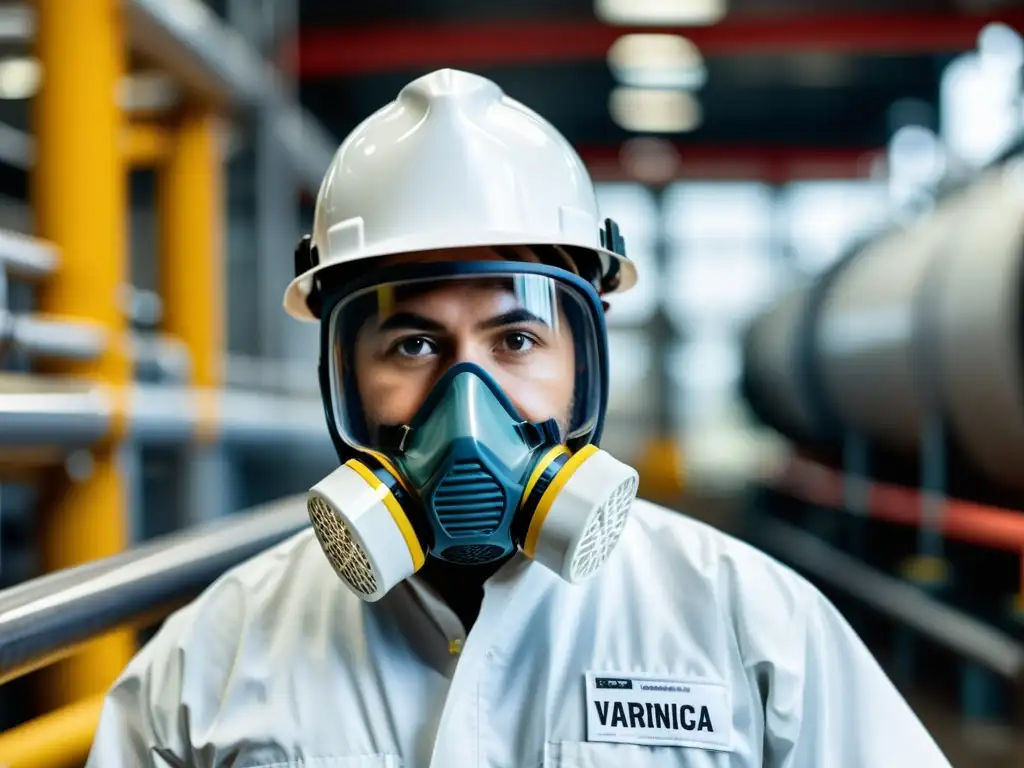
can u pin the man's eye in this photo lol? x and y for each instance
(518, 342)
(415, 346)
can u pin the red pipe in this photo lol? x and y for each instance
(961, 520)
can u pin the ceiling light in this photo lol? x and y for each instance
(654, 110)
(656, 61)
(19, 78)
(655, 12)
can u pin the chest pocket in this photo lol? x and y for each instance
(352, 761)
(598, 754)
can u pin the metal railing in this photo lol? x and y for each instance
(122, 370)
(49, 618)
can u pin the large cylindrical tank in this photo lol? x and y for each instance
(772, 379)
(867, 327)
(926, 319)
(971, 330)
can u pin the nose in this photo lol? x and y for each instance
(470, 350)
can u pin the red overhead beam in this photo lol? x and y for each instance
(659, 162)
(394, 47)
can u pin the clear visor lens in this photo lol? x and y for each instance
(392, 343)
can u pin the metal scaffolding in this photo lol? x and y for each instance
(113, 371)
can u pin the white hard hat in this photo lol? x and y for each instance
(454, 162)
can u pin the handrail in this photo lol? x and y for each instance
(910, 606)
(42, 619)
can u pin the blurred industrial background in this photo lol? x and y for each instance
(824, 354)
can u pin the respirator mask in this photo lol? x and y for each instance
(466, 400)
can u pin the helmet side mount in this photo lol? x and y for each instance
(306, 258)
(612, 240)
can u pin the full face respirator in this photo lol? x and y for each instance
(466, 401)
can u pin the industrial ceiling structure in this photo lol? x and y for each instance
(783, 87)
(746, 89)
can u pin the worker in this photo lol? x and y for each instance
(479, 586)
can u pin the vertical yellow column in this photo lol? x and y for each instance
(79, 196)
(191, 209)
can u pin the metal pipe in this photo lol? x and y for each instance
(52, 338)
(955, 631)
(248, 421)
(27, 257)
(39, 411)
(156, 357)
(160, 359)
(144, 308)
(79, 125)
(295, 377)
(4, 293)
(41, 617)
(17, 148)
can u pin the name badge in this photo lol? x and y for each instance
(658, 712)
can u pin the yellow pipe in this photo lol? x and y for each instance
(60, 739)
(146, 145)
(191, 254)
(79, 196)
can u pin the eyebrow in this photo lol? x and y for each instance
(410, 321)
(513, 317)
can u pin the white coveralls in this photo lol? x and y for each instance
(742, 662)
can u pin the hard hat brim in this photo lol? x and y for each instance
(295, 297)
